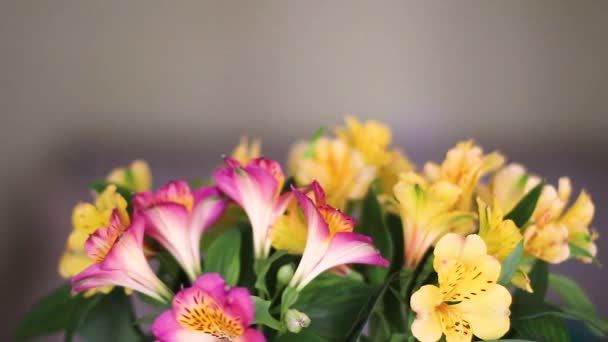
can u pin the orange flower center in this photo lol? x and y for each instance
(207, 316)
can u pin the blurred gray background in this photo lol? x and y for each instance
(89, 85)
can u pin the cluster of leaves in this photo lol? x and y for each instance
(372, 306)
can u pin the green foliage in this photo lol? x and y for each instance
(223, 256)
(111, 320)
(510, 264)
(262, 314)
(523, 210)
(262, 268)
(334, 305)
(543, 329)
(577, 304)
(49, 315)
(576, 251)
(372, 224)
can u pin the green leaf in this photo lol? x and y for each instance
(333, 304)
(310, 150)
(576, 251)
(395, 229)
(49, 315)
(570, 292)
(79, 313)
(262, 268)
(112, 320)
(577, 304)
(372, 224)
(366, 311)
(262, 316)
(510, 264)
(523, 210)
(223, 256)
(543, 329)
(100, 186)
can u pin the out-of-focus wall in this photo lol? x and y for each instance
(88, 85)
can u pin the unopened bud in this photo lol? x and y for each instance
(285, 274)
(296, 320)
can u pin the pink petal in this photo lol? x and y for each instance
(169, 223)
(166, 329)
(213, 284)
(208, 208)
(346, 248)
(240, 304)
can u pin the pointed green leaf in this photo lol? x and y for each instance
(510, 264)
(223, 256)
(49, 315)
(111, 320)
(576, 251)
(372, 224)
(523, 210)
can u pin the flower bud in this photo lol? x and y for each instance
(296, 320)
(285, 274)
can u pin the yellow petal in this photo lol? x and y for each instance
(72, 263)
(580, 214)
(508, 186)
(462, 282)
(371, 139)
(107, 201)
(137, 177)
(454, 246)
(389, 174)
(501, 237)
(426, 326)
(340, 169)
(521, 280)
(289, 232)
(548, 242)
(488, 314)
(247, 150)
(87, 218)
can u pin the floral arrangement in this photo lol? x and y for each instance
(352, 243)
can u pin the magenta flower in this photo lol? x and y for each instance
(119, 260)
(176, 217)
(207, 312)
(330, 241)
(256, 188)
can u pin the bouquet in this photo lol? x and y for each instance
(351, 242)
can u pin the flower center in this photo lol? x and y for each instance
(205, 315)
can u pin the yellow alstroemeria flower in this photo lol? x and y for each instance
(371, 138)
(247, 150)
(501, 237)
(340, 169)
(550, 229)
(463, 166)
(388, 175)
(427, 213)
(86, 219)
(468, 301)
(577, 219)
(137, 177)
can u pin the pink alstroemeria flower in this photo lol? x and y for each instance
(256, 188)
(208, 312)
(176, 217)
(330, 241)
(119, 258)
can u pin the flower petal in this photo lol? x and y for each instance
(426, 326)
(167, 329)
(251, 335)
(488, 315)
(345, 248)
